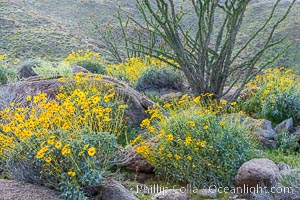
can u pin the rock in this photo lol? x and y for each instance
(267, 130)
(282, 166)
(286, 125)
(135, 162)
(258, 171)
(298, 115)
(76, 69)
(19, 190)
(269, 144)
(266, 134)
(26, 69)
(261, 128)
(116, 191)
(171, 96)
(296, 132)
(229, 93)
(208, 193)
(261, 196)
(142, 177)
(171, 194)
(137, 103)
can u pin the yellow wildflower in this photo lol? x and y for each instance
(169, 155)
(58, 145)
(72, 173)
(177, 157)
(28, 98)
(191, 123)
(170, 137)
(92, 151)
(187, 141)
(222, 123)
(48, 159)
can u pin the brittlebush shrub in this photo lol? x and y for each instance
(276, 95)
(68, 143)
(94, 67)
(160, 79)
(200, 148)
(49, 70)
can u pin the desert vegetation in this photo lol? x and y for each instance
(182, 94)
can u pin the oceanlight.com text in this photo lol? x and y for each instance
(156, 188)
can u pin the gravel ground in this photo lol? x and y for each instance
(17, 190)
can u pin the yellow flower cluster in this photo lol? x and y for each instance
(133, 68)
(273, 95)
(83, 104)
(273, 81)
(82, 55)
(3, 56)
(200, 105)
(185, 141)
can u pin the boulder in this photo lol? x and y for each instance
(76, 69)
(269, 144)
(267, 130)
(171, 194)
(26, 69)
(142, 177)
(137, 103)
(260, 128)
(286, 125)
(19, 190)
(171, 96)
(135, 162)
(116, 191)
(266, 134)
(296, 132)
(258, 171)
(229, 93)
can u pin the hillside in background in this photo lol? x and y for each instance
(52, 28)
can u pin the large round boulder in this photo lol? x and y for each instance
(257, 172)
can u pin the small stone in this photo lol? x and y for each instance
(208, 193)
(282, 166)
(171, 194)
